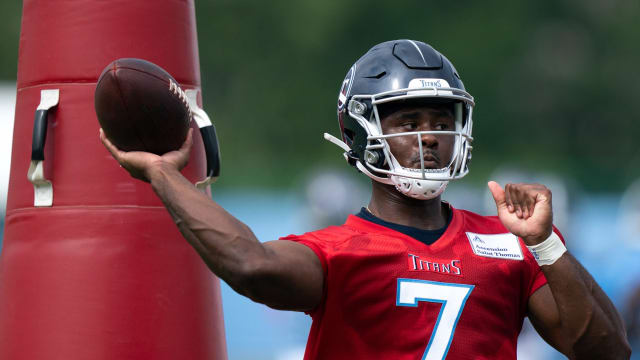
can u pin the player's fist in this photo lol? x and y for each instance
(525, 210)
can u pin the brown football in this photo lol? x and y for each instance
(141, 107)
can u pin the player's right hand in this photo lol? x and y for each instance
(140, 164)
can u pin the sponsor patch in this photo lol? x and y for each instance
(501, 246)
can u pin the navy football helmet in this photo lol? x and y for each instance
(402, 70)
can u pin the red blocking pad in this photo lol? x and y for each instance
(80, 167)
(102, 272)
(122, 284)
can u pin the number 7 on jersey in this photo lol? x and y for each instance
(452, 296)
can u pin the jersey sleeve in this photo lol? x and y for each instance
(539, 279)
(312, 242)
(322, 243)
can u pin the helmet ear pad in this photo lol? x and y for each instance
(356, 137)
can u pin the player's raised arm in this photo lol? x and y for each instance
(281, 274)
(571, 312)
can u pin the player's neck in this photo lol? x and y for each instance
(390, 205)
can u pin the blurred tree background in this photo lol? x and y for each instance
(555, 82)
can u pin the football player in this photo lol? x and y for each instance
(410, 276)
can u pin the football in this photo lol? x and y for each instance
(141, 107)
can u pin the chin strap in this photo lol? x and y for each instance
(359, 165)
(338, 142)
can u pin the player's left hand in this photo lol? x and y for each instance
(140, 164)
(525, 210)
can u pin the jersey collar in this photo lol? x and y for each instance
(454, 227)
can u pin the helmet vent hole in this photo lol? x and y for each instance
(379, 76)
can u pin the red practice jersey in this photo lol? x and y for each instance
(390, 296)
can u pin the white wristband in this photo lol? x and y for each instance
(548, 251)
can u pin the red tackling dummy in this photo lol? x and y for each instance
(101, 272)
